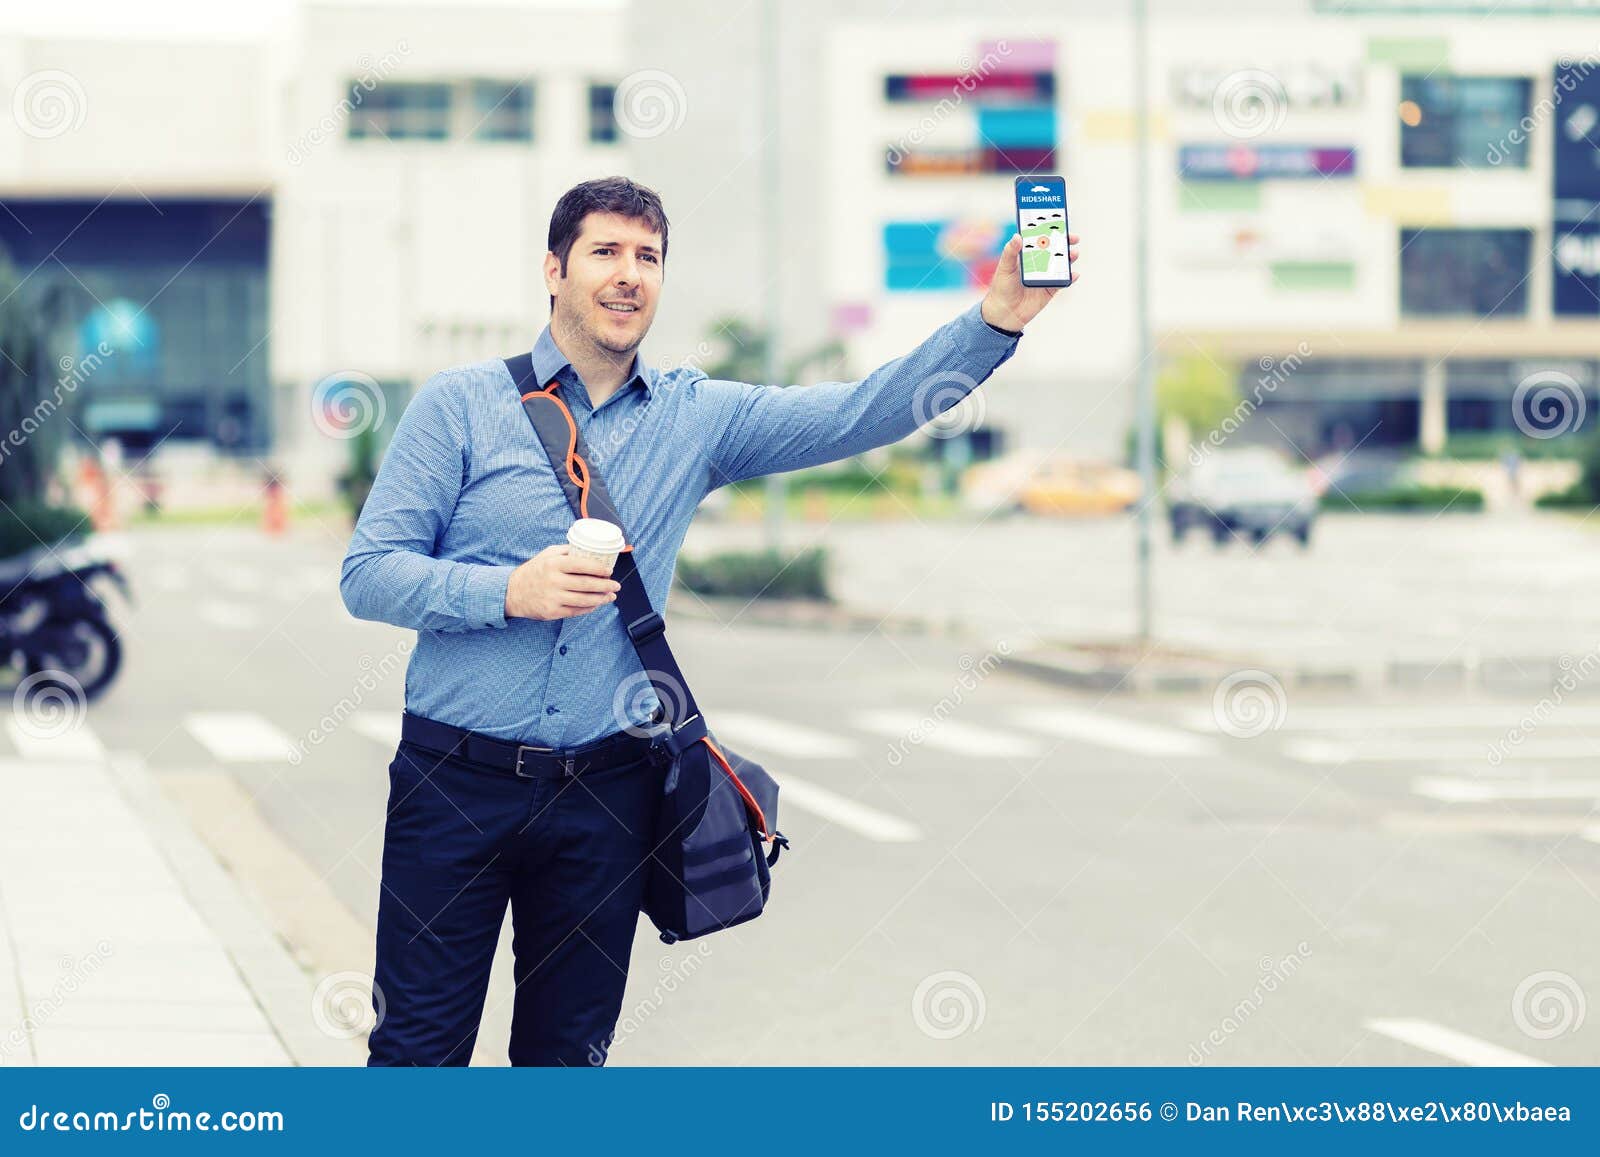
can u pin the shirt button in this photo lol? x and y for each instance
(563, 648)
(549, 710)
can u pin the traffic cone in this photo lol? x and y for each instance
(275, 511)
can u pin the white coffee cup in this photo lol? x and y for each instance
(597, 540)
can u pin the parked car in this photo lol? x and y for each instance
(1049, 485)
(1250, 493)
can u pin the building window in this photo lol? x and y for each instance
(501, 111)
(1465, 122)
(400, 112)
(602, 114)
(1464, 272)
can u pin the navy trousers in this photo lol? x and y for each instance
(461, 842)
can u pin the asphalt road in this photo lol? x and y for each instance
(985, 870)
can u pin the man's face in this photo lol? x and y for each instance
(613, 281)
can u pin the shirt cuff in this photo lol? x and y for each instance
(982, 333)
(484, 599)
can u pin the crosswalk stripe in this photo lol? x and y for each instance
(1376, 720)
(39, 742)
(946, 735)
(1535, 747)
(1446, 1042)
(846, 812)
(1114, 731)
(1592, 834)
(1485, 791)
(382, 726)
(238, 736)
(780, 737)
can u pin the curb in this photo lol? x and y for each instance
(1087, 669)
(278, 984)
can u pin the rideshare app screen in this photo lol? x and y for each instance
(1042, 222)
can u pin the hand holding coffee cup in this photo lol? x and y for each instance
(563, 581)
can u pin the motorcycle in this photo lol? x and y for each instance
(53, 621)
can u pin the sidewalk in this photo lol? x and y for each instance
(122, 940)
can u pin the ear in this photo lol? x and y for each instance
(552, 274)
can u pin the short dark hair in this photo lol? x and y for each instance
(617, 195)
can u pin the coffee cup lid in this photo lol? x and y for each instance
(595, 534)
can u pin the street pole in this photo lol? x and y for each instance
(1144, 402)
(777, 488)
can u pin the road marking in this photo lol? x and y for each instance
(946, 735)
(1592, 834)
(1383, 750)
(1486, 791)
(1114, 731)
(382, 726)
(238, 736)
(1489, 716)
(43, 741)
(228, 616)
(1446, 1042)
(780, 736)
(846, 812)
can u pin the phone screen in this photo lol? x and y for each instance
(1042, 223)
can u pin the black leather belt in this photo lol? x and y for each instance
(520, 759)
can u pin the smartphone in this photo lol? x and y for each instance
(1042, 224)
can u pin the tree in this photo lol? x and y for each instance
(31, 425)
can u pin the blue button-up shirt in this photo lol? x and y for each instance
(465, 494)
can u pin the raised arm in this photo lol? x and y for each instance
(752, 430)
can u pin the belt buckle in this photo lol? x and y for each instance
(566, 761)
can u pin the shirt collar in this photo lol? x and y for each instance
(548, 361)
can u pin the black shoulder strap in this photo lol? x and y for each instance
(646, 629)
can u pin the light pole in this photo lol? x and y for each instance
(1144, 402)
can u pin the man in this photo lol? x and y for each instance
(525, 774)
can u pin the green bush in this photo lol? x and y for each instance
(757, 574)
(1494, 446)
(26, 526)
(1409, 497)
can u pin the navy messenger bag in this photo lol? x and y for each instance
(708, 870)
